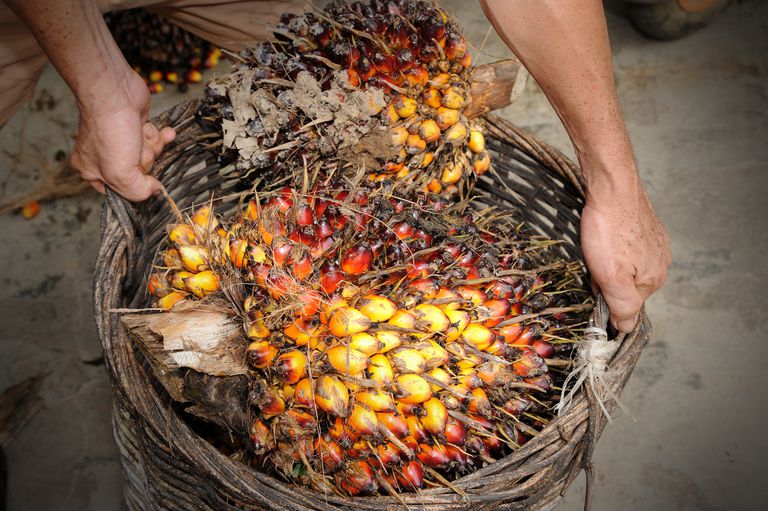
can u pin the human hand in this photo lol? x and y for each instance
(116, 145)
(626, 249)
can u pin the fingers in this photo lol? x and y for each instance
(624, 299)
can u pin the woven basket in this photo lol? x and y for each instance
(168, 466)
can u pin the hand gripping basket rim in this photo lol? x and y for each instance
(168, 466)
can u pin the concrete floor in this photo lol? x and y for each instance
(697, 110)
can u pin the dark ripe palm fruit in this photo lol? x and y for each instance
(403, 70)
(401, 344)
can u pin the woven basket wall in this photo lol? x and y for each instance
(168, 466)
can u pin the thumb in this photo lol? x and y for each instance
(623, 299)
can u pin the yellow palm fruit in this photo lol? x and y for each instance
(377, 308)
(452, 99)
(181, 234)
(171, 299)
(347, 360)
(432, 97)
(363, 420)
(429, 317)
(408, 360)
(480, 403)
(380, 370)
(402, 173)
(179, 279)
(389, 340)
(446, 117)
(392, 115)
(451, 174)
(434, 354)
(459, 321)
(347, 321)
(376, 400)
(205, 219)
(441, 375)
(476, 142)
(202, 284)
(429, 131)
(365, 343)
(403, 319)
(331, 395)
(478, 335)
(481, 163)
(456, 134)
(291, 366)
(337, 302)
(261, 354)
(412, 389)
(426, 159)
(194, 258)
(435, 417)
(405, 106)
(399, 136)
(172, 259)
(441, 80)
(415, 144)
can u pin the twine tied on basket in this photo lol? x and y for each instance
(594, 354)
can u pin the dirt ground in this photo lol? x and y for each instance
(697, 110)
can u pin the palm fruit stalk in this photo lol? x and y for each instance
(161, 52)
(392, 345)
(364, 93)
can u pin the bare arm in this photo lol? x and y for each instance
(564, 44)
(115, 143)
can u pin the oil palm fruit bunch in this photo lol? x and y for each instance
(301, 95)
(162, 53)
(392, 345)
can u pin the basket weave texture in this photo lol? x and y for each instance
(169, 466)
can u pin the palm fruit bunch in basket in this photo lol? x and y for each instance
(392, 344)
(363, 93)
(161, 52)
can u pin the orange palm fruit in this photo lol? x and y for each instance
(347, 321)
(495, 311)
(414, 144)
(169, 300)
(181, 234)
(432, 97)
(357, 260)
(202, 284)
(179, 279)
(272, 404)
(303, 393)
(356, 478)
(377, 308)
(434, 354)
(452, 99)
(380, 370)
(451, 173)
(446, 117)
(291, 366)
(407, 360)
(302, 330)
(363, 420)
(429, 131)
(389, 340)
(172, 258)
(342, 433)
(395, 423)
(510, 333)
(405, 106)
(418, 76)
(441, 80)
(347, 360)
(331, 395)
(456, 135)
(476, 142)
(435, 417)
(440, 375)
(459, 321)
(261, 436)
(472, 294)
(194, 258)
(238, 250)
(204, 218)
(261, 354)
(157, 286)
(376, 400)
(388, 454)
(412, 389)
(392, 115)
(481, 162)
(330, 453)
(479, 403)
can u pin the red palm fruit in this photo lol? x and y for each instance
(395, 423)
(302, 268)
(405, 59)
(324, 229)
(419, 270)
(365, 69)
(402, 230)
(357, 260)
(474, 444)
(281, 251)
(416, 428)
(543, 348)
(481, 422)
(543, 381)
(388, 454)
(455, 433)
(310, 303)
(261, 436)
(529, 364)
(423, 235)
(471, 294)
(331, 277)
(260, 273)
(342, 433)
(411, 475)
(356, 478)
(466, 60)
(321, 247)
(383, 63)
(329, 452)
(291, 366)
(516, 406)
(510, 333)
(260, 354)
(473, 273)
(457, 456)
(303, 394)
(298, 424)
(432, 456)
(278, 285)
(455, 46)
(272, 404)
(500, 289)
(282, 202)
(494, 445)
(363, 420)
(417, 76)
(304, 216)
(497, 311)
(526, 337)
(427, 287)
(305, 235)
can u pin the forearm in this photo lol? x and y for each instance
(564, 44)
(77, 41)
